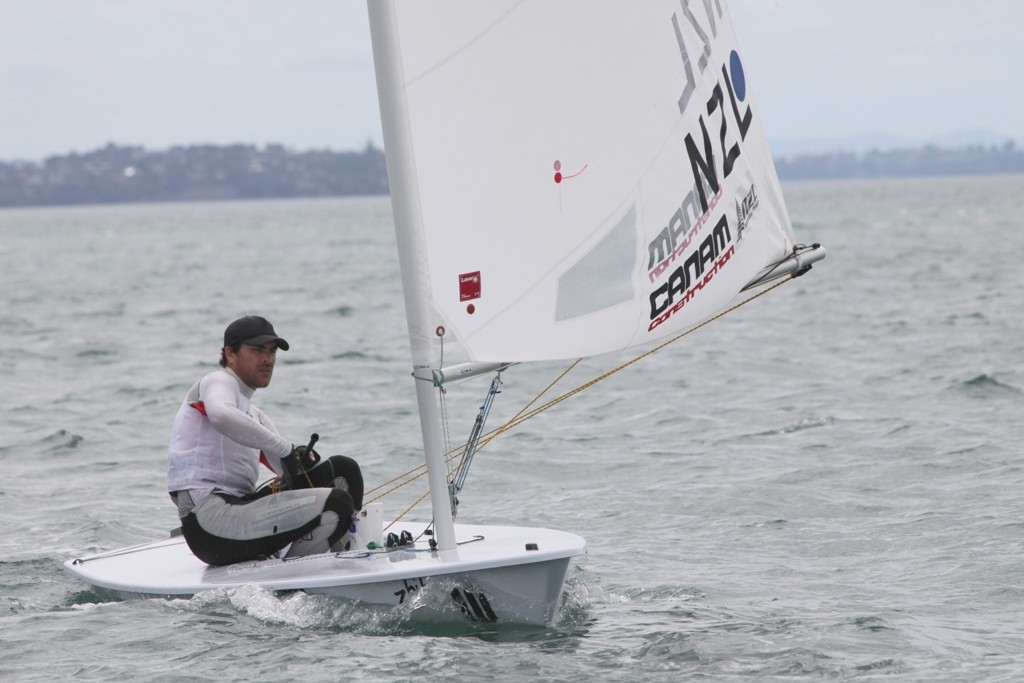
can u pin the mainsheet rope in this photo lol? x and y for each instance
(525, 413)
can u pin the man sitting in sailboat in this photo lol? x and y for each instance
(217, 444)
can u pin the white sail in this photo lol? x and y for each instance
(579, 176)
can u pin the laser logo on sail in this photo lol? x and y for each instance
(744, 210)
(469, 286)
(469, 289)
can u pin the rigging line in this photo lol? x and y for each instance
(458, 477)
(450, 455)
(445, 424)
(572, 392)
(487, 437)
(462, 48)
(459, 450)
(406, 510)
(546, 389)
(127, 551)
(523, 415)
(411, 475)
(392, 489)
(400, 476)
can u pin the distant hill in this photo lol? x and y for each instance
(116, 174)
(929, 160)
(881, 141)
(133, 174)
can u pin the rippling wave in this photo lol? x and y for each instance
(823, 485)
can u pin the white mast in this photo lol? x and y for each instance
(405, 202)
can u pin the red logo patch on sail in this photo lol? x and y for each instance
(469, 286)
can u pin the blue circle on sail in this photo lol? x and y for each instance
(739, 81)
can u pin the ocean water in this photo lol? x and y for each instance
(824, 485)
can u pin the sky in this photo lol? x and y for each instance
(76, 75)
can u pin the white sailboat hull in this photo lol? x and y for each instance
(496, 574)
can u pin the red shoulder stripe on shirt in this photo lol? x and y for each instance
(200, 406)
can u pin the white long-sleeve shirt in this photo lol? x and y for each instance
(217, 438)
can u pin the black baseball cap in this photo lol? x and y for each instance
(252, 329)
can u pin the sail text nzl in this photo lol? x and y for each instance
(697, 268)
(687, 219)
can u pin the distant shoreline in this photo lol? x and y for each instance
(926, 161)
(127, 174)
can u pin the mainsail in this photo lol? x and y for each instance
(579, 177)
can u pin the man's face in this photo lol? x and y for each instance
(254, 365)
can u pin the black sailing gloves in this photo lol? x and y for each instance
(296, 464)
